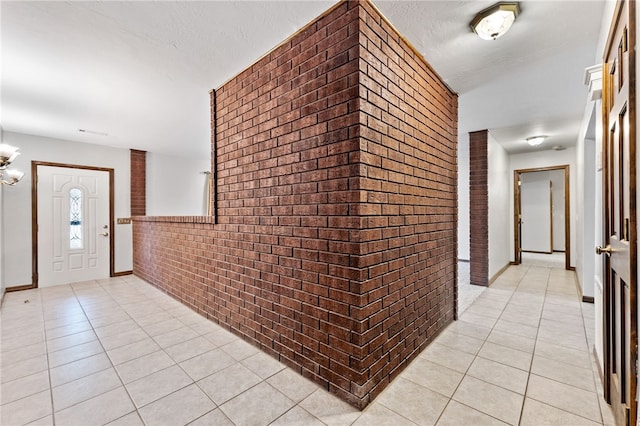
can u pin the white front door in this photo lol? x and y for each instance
(73, 225)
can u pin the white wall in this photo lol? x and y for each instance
(499, 201)
(540, 159)
(16, 212)
(463, 197)
(176, 186)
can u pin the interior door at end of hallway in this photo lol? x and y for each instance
(73, 225)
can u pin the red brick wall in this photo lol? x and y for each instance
(409, 209)
(479, 208)
(138, 183)
(335, 245)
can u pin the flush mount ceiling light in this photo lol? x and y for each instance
(536, 140)
(496, 20)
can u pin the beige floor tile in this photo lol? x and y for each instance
(228, 383)
(263, 365)
(140, 367)
(70, 340)
(84, 388)
(132, 351)
(155, 318)
(93, 412)
(377, 414)
(490, 399)
(60, 322)
(478, 320)
(412, 401)
(214, 417)
(221, 337)
(447, 357)
(157, 385)
(23, 368)
(329, 409)
(506, 356)
(239, 349)
(27, 409)
(126, 338)
(44, 421)
(162, 327)
(564, 397)
(560, 353)
(457, 414)
(77, 369)
(538, 414)
(478, 309)
(66, 330)
(498, 374)
(23, 387)
(568, 341)
(22, 341)
(174, 337)
(111, 318)
(178, 408)
(74, 353)
(296, 417)
(131, 419)
(206, 364)
(460, 342)
(292, 384)
(433, 376)
(116, 328)
(469, 329)
(243, 412)
(512, 341)
(559, 371)
(11, 357)
(200, 324)
(517, 329)
(185, 350)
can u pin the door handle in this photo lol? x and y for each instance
(104, 234)
(608, 250)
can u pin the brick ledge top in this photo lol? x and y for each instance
(175, 219)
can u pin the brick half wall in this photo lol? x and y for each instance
(340, 268)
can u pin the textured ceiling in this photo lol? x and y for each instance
(140, 72)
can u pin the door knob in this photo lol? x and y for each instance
(105, 234)
(608, 250)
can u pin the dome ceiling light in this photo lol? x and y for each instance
(496, 20)
(536, 140)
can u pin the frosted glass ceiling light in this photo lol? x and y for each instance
(496, 20)
(536, 140)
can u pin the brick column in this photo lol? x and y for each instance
(479, 208)
(138, 183)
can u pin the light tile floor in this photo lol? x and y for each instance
(120, 352)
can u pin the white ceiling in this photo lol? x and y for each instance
(138, 73)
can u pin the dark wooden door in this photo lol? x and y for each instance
(620, 324)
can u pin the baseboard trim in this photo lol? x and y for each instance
(588, 299)
(572, 268)
(497, 274)
(19, 288)
(122, 273)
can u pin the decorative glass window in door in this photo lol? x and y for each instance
(75, 223)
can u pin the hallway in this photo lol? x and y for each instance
(121, 351)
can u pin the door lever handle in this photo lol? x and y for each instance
(104, 234)
(608, 250)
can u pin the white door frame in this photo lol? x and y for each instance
(34, 215)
